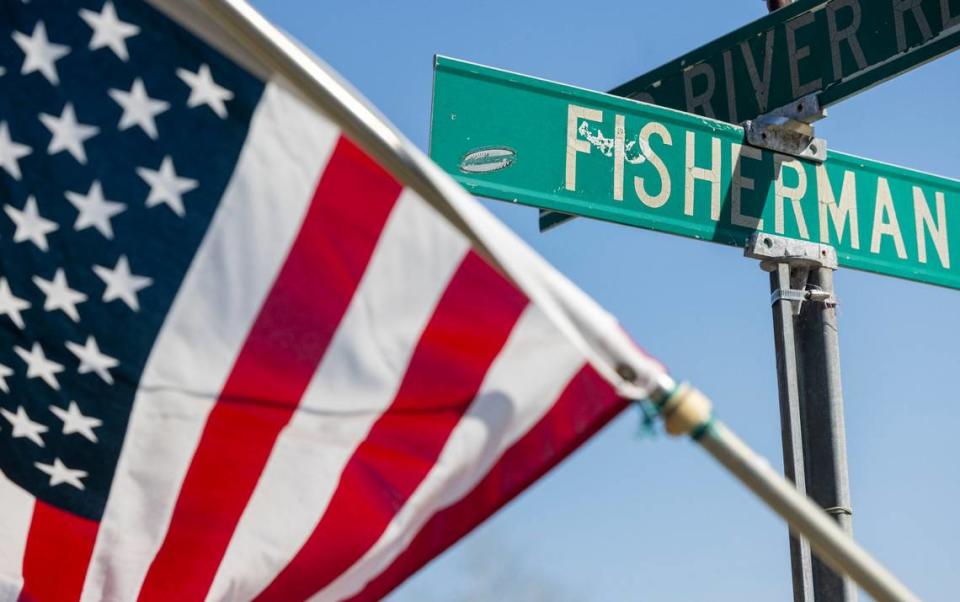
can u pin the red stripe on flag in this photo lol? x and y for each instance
(469, 327)
(353, 199)
(59, 547)
(585, 405)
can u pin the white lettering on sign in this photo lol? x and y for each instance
(761, 84)
(710, 174)
(948, 19)
(619, 134)
(926, 225)
(730, 86)
(848, 34)
(794, 193)
(795, 55)
(840, 213)
(703, 99)
(885, 221)
(658, 200)
(829, 41)
(900, 7)
(574, 143)
(837, 212)
(739, 183)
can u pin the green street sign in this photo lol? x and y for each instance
(548, 145)
(832, 48)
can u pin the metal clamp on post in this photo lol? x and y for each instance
(818, 295)
(788, 130)
(838, 510)
(801, 256)
(798, 296)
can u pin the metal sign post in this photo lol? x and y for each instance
(811, 397)
(811, 400)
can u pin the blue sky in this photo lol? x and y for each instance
(655, 519)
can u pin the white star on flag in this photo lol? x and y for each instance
(38, 366)
(11, 152)
(23, 426)
(205, 91)
(68, 134)
(93, 360)
(59, 473)
(138, 108)
(30, 224)
(5, 371)
(94, 209)
(166, 187)
(108, 30)
(11, 305)
(121, 284)
(40, 53)
(75, 422)
(60, 295)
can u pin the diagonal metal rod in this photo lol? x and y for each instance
(832, 545)
(687, 411)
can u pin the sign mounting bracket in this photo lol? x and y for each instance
(802, 256)
(788, 130)
(771, 249)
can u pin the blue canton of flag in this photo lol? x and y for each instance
(118, 134)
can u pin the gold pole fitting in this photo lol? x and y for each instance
(686, 409)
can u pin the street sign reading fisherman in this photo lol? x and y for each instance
(526, 140)
(834, 48)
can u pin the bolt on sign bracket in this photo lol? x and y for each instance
(802, 256)
(788, 130)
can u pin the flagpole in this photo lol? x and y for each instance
(685, 410)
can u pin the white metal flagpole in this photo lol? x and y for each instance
(685, 410)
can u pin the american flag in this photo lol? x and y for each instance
(240, 359)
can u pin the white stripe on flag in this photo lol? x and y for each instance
(16, 513)
(356, 381)
(235, 266)
(528, 376)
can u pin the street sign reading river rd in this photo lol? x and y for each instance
(548, 145)
(831, 48)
